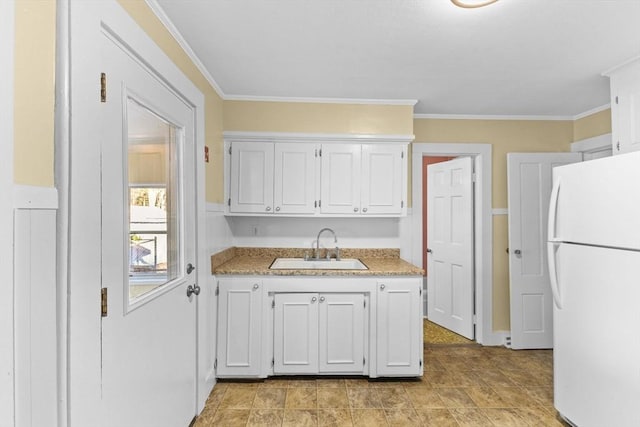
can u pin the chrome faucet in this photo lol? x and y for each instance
(335, 240)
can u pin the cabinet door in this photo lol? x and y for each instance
(239, 328)
(294, 178)
(295, 334)
(625, 108)
(251, 177)
(342, 320)
(382, 179)
(399, 323)
(340, 181)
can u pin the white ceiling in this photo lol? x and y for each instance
(515, 57)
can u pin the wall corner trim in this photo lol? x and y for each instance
(32, 197)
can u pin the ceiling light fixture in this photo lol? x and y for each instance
(470, 4)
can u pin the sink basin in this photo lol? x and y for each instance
(314, 264)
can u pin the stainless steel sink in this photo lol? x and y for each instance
(315, 264)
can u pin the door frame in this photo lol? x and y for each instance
(483, 225)
(7, 45)
(80, 198)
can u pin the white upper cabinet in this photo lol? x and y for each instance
(319, 175)
(625, 107)
(252, 177)
(363, 179)
(294, 178)
(272, 178)
(383, 179)
(340, 179)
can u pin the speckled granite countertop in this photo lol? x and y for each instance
(249, 261)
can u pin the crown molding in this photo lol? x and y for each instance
(512, 117)
(409, 102)
(490, 117)
(608, 72)
(592, 111)
(315, 137)
(164, 19)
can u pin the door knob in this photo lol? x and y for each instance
(517, 252)
(314, 299)
(382, 287)
(195, 289)
(190, 268)
(429, 251)
(355, 209)
(321, 299)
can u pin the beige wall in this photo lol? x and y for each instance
(593, 125)
(34, 97)
(505, 136)
(259, 116)
(148, 21)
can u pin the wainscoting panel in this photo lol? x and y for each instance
(35, 317)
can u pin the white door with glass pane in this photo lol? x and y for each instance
(450, 282)
(148, 246)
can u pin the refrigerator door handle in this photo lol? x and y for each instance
(553, 206)
(551, 244)
(553, 274)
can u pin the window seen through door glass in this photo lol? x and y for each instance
(153, 231)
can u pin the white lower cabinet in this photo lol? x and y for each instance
(342, 333)
(319, 326)
(239, 328)
(319, 333)
(295, 334)
(399, 327)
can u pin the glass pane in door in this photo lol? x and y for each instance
(153, 189)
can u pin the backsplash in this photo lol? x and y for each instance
(301, 232)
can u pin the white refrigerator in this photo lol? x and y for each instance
(594, 264)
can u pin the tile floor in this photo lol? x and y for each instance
(463, 385)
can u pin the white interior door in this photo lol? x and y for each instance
(148, 242)
(529, 188)
(450, 279)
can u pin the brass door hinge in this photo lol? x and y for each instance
(103, 302)
(103, 87)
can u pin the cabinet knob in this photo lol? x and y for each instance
(364, 210)
(314, 299)
(268, 208)
(355, 209)
(256, 286)
(321, 299)
(278, 209)
(382, 287)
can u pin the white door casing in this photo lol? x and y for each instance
(450, 281)
(483, 226)
(137, 330)
(529, 182)
(7, 58)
